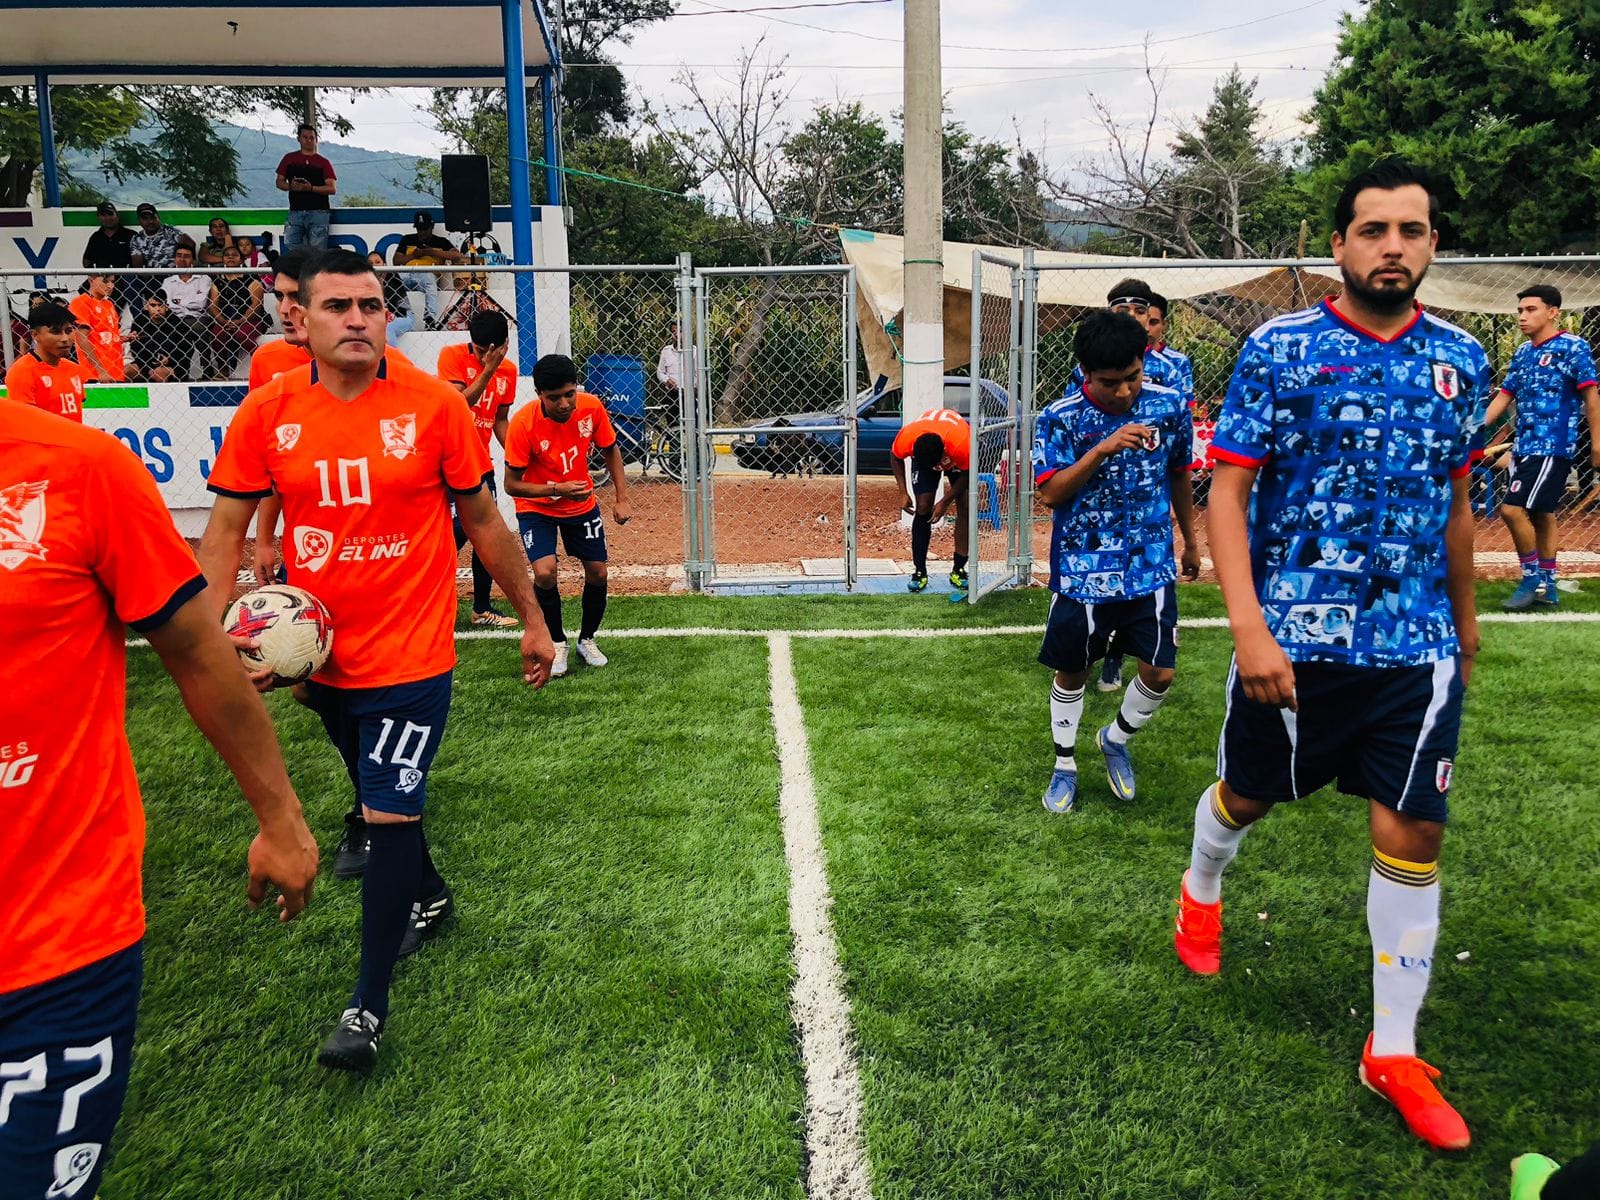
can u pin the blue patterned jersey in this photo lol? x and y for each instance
(1357, 440)
(1546, 381)
(1158, 369)
(1112, 539)
(1182, 371)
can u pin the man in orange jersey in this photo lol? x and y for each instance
(45, 377)
(487, 380)
(939, 443)
(547, 470)
(365, 453)
(99, 340)
(87, 547)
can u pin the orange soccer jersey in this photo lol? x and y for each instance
(57, 389)
(366, 519)
(275, 358)
(949, 425)
(104, 324)
(545, 451)
(86, 547)
(457, 364)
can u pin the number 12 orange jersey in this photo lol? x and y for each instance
(365, 488)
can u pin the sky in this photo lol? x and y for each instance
(1011, 68)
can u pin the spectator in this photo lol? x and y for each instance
(253, 260)
(669, 368)
(21, 335)
(99, 336)
(237, 316)
(189, 297)
(424, 248)
(152, 245)
(309, 180)
(152, 342)
(108, 248)
(218, 238)
(394, 299)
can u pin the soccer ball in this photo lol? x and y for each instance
(294, 630)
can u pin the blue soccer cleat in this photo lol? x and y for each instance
(1119, 767)
(1525, 597)
(1548, 596)
(919, 582)
(1063, 790)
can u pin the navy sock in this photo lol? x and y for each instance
(550, 605)
(594, 609)
(921, 535)
(432, 883)
(388, 890)
(482, 585)
(1577, 1180)
(960, 563)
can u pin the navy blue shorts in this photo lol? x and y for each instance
(65, 1049)
(584, 535)
(387, 737)
(1078, 633)
(1383, 733)
(1537, 482)
(926, 483)
(455, 517)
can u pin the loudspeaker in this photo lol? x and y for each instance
(466, 193)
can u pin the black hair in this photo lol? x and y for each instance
(331, 262)
(53, 315)
(1387, 176)
(1108, 341)
(489, 328)
(553, 371)
(292, 262)
(1548, 292)
(181, 246)
(927, 450)
(303, 127)
(1130, 288)
(1157, 300)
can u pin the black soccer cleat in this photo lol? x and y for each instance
(427, 918)
(353, 1045)
(350, 860)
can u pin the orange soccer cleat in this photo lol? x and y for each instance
(1198, 939)
(1407, 1083)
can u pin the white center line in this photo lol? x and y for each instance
(836, 1150)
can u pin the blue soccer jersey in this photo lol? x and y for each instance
(1182, 371)
(1357, 440)
(1158, 369)
(1112, 539)
(1546, 381)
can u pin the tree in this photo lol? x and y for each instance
(1494, 97)
(185, 152)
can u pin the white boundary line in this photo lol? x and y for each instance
(836, 1150)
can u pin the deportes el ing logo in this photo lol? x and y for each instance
(16, 765)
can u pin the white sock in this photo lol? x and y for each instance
(1403, 918)
(1216, 841)
(1139, 704)
(1066, 710)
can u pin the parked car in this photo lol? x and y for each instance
(878, 420)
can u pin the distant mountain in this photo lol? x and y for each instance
(377, 176)
(1071, 230)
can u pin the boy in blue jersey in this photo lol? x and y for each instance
(1112, 461)
(1352, 616)
(1155, 323)
(1550, 374)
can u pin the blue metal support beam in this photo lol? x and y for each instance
(550, 97)
(518, 157)
(47, 141)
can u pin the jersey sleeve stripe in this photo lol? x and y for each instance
(1587, 383)
(222, 491)
(167, 611)
(1464, 469)
(1041, 476)
(474, 489)
(1223, 454)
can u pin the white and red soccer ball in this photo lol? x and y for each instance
(292, 628)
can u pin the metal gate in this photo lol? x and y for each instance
(1000, 492)
(773, 460)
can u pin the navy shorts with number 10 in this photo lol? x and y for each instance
(387, 737)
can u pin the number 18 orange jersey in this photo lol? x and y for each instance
(365, 487)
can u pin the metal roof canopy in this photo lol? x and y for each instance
(438, 43)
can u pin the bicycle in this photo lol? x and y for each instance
(655, 444)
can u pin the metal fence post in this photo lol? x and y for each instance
(688, 426)
(705, 451)
(852, 480)
(7, 351)
(974, 414)
(1029, 398)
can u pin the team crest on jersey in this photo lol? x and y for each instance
(1153, 441)
(74, 1165)
(22, 523)
(1546, 359)
(1442, 773)
(1446, 381)
(544, 444)
(586, 427)
(399, 435)
(311, 548)
(288, 437)
(409, 778)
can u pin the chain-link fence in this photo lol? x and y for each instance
(997, 493)
(776, 427)
(1214, 306)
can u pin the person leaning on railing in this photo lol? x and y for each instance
(237, 316)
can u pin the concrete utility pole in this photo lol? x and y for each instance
(922, 323)
(311, 107)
